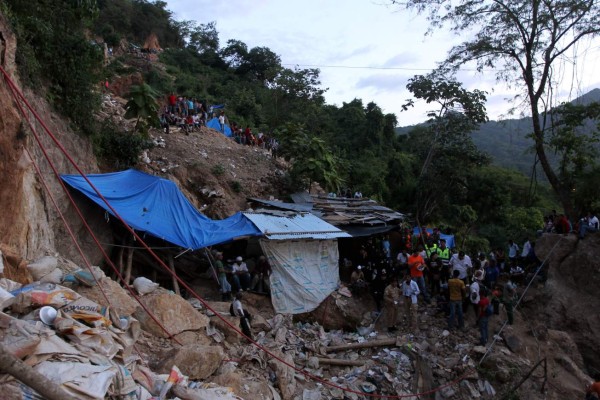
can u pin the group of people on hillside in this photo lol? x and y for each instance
(188, 114)
(559, 223)
(427, 269)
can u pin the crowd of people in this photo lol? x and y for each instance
(189, 114)
(426, 271)
(237, 275)
(559, 223)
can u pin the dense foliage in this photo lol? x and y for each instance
(434, 171)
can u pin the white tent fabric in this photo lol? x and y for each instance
(304, 273)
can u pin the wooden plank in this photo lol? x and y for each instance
(363, 345)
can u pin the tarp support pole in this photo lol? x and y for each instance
(172, 267)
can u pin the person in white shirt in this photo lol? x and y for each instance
(588, 224)
(241, 277)
(526, 249)
(513, 249)
(410, 291)
(462, 263)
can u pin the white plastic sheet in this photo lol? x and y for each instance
(304, 273)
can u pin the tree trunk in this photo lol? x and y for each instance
(11, 365)
(563, 193)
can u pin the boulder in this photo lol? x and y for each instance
(172, 311)
(195, 361)
(120, 300)
(340, 312)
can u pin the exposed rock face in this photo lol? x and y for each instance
(173, 312)
(572, 289)
(32, 226)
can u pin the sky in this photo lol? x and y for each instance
(365, 49)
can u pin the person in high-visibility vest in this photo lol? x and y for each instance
(444, 254)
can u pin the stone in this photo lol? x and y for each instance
(173, 312)
(195, 361)
(193, 337)
(120, 299)
(514, 343)
(231, 336)
(231, 380)
(447, 392)
(285, 375)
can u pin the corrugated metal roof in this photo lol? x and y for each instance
(294, 226)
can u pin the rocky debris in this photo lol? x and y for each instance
(88, 337)
(172, 311)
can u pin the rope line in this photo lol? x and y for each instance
(174, 275)
(16, 91)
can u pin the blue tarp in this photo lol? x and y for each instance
(155, 205)
(449, 238)
(214, 123)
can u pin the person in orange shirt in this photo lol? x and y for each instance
(416, 265)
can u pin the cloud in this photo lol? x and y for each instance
(401, 60)
(383, 82)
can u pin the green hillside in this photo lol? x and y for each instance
(507, 141)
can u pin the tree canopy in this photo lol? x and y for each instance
(523, 42)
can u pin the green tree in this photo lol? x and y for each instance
(523, 41)
(445, 143)
(312, 160)
(142, 105)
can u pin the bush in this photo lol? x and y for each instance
(236, 186)
(119, 149)
(218, 170)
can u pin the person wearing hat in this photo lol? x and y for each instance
(225, 287)
(357, 281)
(241, 276)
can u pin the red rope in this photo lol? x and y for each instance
(174, 275)
(15, 90)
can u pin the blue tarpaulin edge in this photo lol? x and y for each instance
(156, 205)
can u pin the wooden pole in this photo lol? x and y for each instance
(129, 265)
(11, 365)
(172, 267)
(341, 363)
(363, 345)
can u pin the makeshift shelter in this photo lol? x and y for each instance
(214, 124)
(155, 205)
(358, 217)
(303, 253)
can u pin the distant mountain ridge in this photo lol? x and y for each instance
(507, 141)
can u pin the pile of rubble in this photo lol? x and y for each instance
(95, 340)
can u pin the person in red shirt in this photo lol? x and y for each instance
(416, 265)
(172, 102)
(484, 301)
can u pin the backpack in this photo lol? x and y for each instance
(489, 310)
